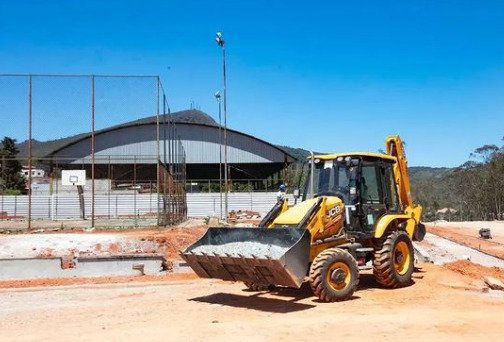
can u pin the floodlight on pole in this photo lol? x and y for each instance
(219, 39)
(220, 42)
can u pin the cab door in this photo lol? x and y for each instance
(372, 201)
(391, 198)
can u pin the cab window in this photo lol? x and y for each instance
(393, 203)
(369, 185)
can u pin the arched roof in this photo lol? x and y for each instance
(135, 142)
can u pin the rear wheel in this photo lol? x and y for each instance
(334, 275)
(393, 260)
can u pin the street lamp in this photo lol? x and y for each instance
(218, 98)
(220, 41)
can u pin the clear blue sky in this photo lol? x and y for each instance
(321, 75)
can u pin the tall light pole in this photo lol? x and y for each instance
(218, 98)
(220, 41)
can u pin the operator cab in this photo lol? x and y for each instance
(363, 181)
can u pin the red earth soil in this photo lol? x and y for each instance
(94, 280)
(475, 271)
(172, 239)
(169, 240)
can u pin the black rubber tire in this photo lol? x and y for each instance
(320, 281)
(420, 232)
(256, 287)
(384, 265)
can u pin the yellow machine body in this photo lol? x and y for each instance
(311, 227)
(411, 213)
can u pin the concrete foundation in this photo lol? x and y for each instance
(123, 265)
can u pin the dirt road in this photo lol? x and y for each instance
(438, 307)
(466, 234)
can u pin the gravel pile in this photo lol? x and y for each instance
(244, 248)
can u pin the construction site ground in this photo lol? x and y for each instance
(446, 302)
(466, 233)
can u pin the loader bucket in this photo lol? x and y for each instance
(277, 256)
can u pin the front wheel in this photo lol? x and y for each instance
(334, 275)
(393, 260)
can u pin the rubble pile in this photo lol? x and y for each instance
(247, 216)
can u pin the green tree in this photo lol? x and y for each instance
(11, 179)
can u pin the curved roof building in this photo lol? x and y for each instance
(136, 143)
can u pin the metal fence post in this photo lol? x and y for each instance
(109, 187)
(135, 207)
(150, 197)
(157, 152)
(29, 149)
(53, 204)
(92, 150)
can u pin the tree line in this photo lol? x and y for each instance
(12, 182)
(472, 191)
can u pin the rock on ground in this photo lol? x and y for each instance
(494, 283)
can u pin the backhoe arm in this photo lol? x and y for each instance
(412, 212)
(395, 148)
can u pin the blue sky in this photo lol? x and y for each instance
(321, 75)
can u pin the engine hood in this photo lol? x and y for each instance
(295, 214)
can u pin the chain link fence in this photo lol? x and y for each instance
(115, 128)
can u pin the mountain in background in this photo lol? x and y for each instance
(41, 149)
(298, 153)
(416, 172)
(426, 172)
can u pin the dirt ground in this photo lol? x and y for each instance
(466, 233)
(445, 303)
(47, 282)
(442, 305)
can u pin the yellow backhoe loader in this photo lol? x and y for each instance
(356, 213)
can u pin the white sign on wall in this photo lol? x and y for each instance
(73, 177)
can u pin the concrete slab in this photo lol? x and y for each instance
(123, 265)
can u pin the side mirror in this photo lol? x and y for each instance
(296, 193)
